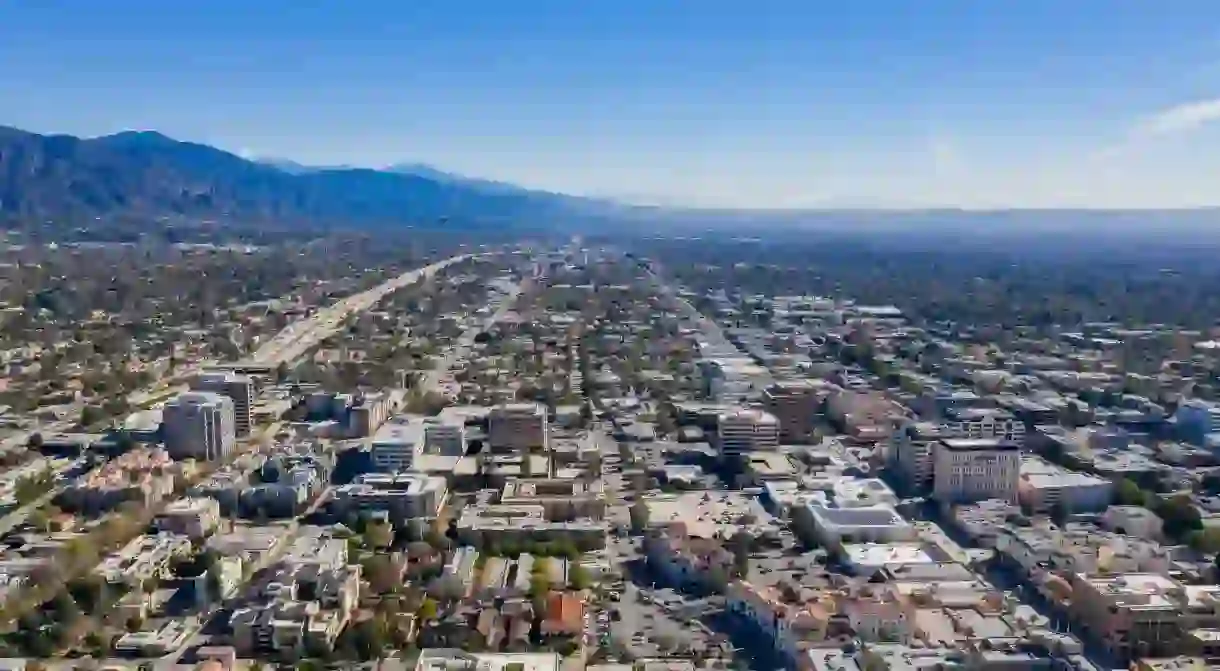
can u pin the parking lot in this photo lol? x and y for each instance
(648, 623)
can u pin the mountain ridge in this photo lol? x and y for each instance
(149, 173)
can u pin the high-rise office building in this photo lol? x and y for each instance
(239, 389)
(517, 428)
(444, 437)
(199, 425)
(745, 430)
(795, 403)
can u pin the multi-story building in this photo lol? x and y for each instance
(1196, 419)
(396, 445)
(563, 500)
(142, 559)
(1044, 486)
(143, 475)
(305, 607)
(402, 496)
(835, 527)
(1140, 615)
(688, 562)
(743, 431)
(978, 423)
(497, 525)
(795, 403)
(911, 453)
(239, 389)
(193, 517)
(200, 425)
(517, 428)
(368, 413)
(445, 438)
(967, 470)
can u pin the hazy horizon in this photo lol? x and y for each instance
(772, 105)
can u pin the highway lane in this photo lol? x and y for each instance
(299, 337)
(282, 348)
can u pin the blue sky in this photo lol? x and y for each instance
(760, 103)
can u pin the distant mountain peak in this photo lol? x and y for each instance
(148, 174)
(142, 137)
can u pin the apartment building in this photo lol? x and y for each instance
(143, 475)
(194, 517)
(238, 388)
(742, 431)
(200, 425)
(517, 428)
(142, 559)
(457, 578)
(783, 625)
(305, 610)
(967, 470)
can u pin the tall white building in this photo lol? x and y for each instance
(239, 389)
(200, 425)
(744, 430)
(517, 428)
(966, 470)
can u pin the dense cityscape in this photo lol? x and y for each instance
(602, 454)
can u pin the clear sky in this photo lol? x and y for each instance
(741, 103)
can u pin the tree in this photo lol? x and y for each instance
(1206, 540)
(639, 516)
(368, 639)
(382, 573)
(740, 545)
(1059, 513)
(428, 610)
(66, 610)
(1179, 516)
(1129, 493)
(90, 415)
(379, 535)
(578, 577)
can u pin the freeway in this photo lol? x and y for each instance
(297, 338)
(287, 345)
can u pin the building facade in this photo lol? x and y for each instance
(967, 470)
(200, 425)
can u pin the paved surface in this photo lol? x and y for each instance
(433, 379)
(197, 637)
(299, 337)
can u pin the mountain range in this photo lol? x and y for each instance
(50, 177)
(140, 175)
